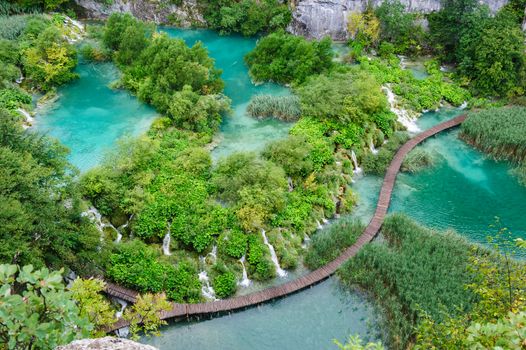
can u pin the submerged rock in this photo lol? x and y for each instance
(106, 343)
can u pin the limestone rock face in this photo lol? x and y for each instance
(320, 18)
(157, 11)
(106, 343)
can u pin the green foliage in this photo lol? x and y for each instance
(225, 285)
(260, 266)
(92, 53)
(327, 244)
(256, 187)
(145, 315)
(416, 272)
(92, 305)
(247, 17)
(491, 55)
(293, 154)
(138, 266)
(40, 221)
(378, 163)
(13, 98)
(285, 108)
(233, 243)
(50, 60)
(285, 58)
(36, 312)
(315, 132)
(355, 343)
(507, 333)
(417, 160)
(498, 131)
(397, 27)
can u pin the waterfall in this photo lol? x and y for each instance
(273, 256)
(28, 119)
(166, 241)
(402, 115)
(325, 221)
(245, 282)
(371, 146)
(291, 185)
(96, 217)
(464, 105)
(213, 254)
(318, 225)
(121, 228)
(357, 169)
(206, 290)
(121, 332)
(306, 241)
(402, 62)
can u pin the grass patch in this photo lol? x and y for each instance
(286, 108)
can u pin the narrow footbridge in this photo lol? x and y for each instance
(220, 306)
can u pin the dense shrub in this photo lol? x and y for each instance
(247, 17)
(293, 154)
(285, 108)
(225, 285)
(327, 244)
(285, 58)
(138, 266)
(232, 243)
(260, 265)
(378, 163)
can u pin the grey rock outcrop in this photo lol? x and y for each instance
(106, 343)
(158, 11)
(320, 18)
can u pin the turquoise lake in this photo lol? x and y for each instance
(89, 117)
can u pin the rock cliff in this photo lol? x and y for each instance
(106, 343)
(320, 18)
(159, 11)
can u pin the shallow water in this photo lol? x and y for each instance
(307, 320)
(89, 117)
(464, 190)
(238, 132)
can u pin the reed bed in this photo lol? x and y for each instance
(286, 108)
(500, 132)
(415, 270)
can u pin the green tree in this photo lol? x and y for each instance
(36, 312)
(92, 304)
(145, 315)
(40, 215)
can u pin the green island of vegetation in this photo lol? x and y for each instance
(159, 216)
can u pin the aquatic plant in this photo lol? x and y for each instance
(415, 270)
(285, 108)
(328, 243)
(417, 160)
(500, 132)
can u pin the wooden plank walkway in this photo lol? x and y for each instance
(313, 277)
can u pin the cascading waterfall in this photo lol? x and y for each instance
(96, 217)
(166, 242)
(402, 115)
(371, 146)
(245, 282)
(464, 105)
(291, 185)
(357, 169)
(207, 290)
(125, 331)
(213, 254)
(318, 225)
(273, 256)
(121, 228)
(402, 62)
(28, 118)
(325, 221)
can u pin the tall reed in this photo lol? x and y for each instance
(285, 108)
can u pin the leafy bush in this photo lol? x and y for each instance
(260, 265)
(13, 98)
(233, 243)
(285, 58)
(285, 108)
(293, 154)
(225, 285)
(247, 17)
(378, 163)
(327, 244)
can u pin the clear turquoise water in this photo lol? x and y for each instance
(238, 132)
(308, 320)
(464, 191)
(89, 117)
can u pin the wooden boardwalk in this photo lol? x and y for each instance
(186, 310)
